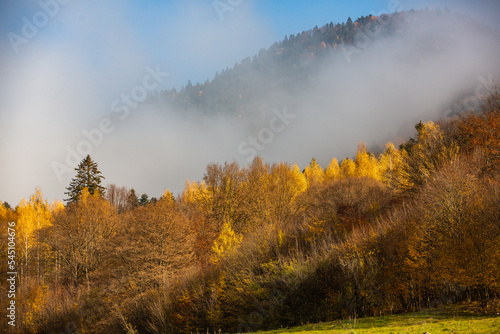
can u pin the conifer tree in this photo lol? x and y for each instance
(144, 200)
(87, 176)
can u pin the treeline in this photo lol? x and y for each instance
(270, 245)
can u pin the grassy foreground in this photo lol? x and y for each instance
(450, 319)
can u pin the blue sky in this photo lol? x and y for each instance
(66, 74)
(162, 31)
(146, 25)
(291, 17)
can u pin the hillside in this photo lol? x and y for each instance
(288, 67)
(267, 245)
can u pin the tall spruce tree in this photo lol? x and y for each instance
(87, 176)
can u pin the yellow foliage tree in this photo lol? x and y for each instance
(287, 182)
(426, 154)
(314, 173)
(366, 163)
(256, 189)
(56, 207)
(332, 171)
(33, 215)
(36, 298)
(168, 196)
(195, 194)
(226, 242)
(299, 180)
(80, 234)
(391, 165)
(456, 235)
(347, 168)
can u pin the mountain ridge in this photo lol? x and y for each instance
(297, 58)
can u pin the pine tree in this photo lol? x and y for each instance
(87, 176)
(144, 200)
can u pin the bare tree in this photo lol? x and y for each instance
(118, 196)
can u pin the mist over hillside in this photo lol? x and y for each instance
(315, 94)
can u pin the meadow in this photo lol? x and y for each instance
(448, 319)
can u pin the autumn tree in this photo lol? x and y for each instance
(79, 235)
(458, 233)
(256, 186)
(195, 200)
(347, 168)
(168, 195)
(224, 186)
(225, 243)
(392, 165)
(33, 215)
(317, 213)
(425, 154)
(332, 172)
(481, 132)
(366, 163)
(195, 195)
(87, 176)
(152, 246)
(314, 173)
(287, 182)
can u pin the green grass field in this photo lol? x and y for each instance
(450, 319)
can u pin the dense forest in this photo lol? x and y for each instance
(269, 245)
